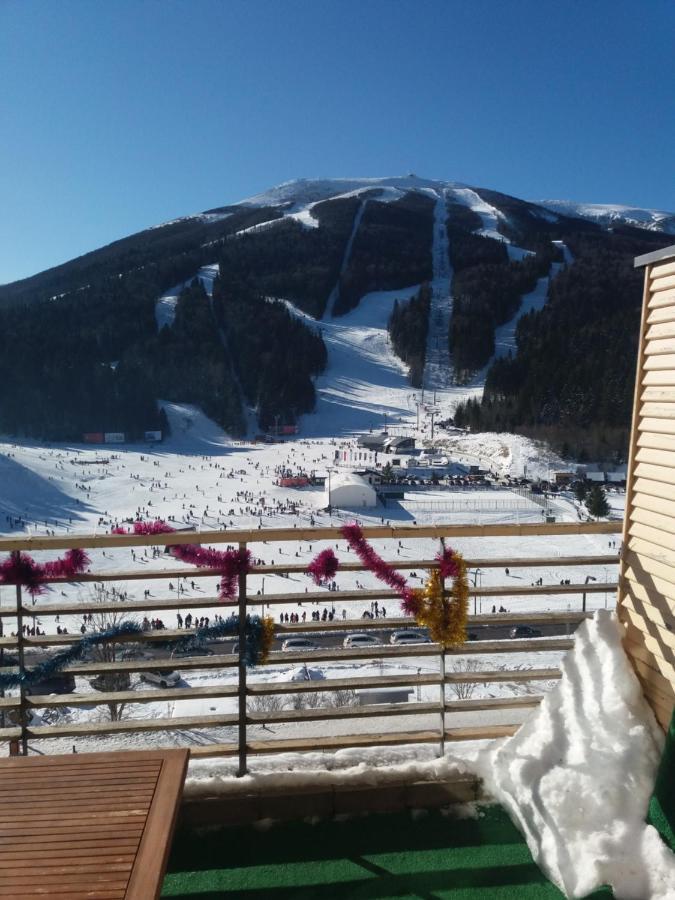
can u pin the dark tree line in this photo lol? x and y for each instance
(486, 295)
(274, 353)
(571, 380)
(408, 328)
(392, 249)
(291, 261)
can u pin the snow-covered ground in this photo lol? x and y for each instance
(202, 478)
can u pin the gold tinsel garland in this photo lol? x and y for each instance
(266, 638)
(444, 614)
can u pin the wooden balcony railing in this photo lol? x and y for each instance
(241, 731)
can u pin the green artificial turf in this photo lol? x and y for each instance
(375, 856)
(662, 803)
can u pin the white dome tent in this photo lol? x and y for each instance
(348, 490)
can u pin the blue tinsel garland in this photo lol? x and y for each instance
(74, 653)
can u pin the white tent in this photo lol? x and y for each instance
(349, 490)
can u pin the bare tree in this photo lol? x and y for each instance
(109, 652)
(267, 703)
(342, 697)
(464, 690)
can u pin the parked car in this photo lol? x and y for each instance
(162, 677)
(59, 683)
(361, 640)
(408, 637)
(299, 643)
(524, 631)
(191, 651)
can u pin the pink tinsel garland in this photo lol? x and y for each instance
(229, 563)
(20, 568)
(323, 567)
(379, 567)
(448, 566)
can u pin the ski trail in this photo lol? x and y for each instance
(165, 308)
(250, 418)
(334, 294)
(437, 371)
(488, 214)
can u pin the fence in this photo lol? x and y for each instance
(236, 732)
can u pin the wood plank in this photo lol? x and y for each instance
(661, 282)
(150, 696)
(653, 678)
(654, 488)
(650, 550)
(656, 377)
(321, 714)
(494, 703)
(501, 675)
(337, 742)
(662, 655)
(87, 838)
(31, 543)
(663, 507)
(658, 393)
(665, 459)
(654, 474)
(660, 347)
(131, 725)
(480, 732)
(653, 520)
(656, 410)
(643, 564)
(660, 270)
(659, 362)
(145, 882)
(656, 441)
(661, 314)
(650, 629)
(662, 330)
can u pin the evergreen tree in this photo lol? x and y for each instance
(596, 502)
(581, 491)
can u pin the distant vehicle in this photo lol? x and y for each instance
(299, 644)
(191, 651)
(408, 637)
(361, 640)
(524, 631)
(60, 683)
(162, 677)
(304, 673)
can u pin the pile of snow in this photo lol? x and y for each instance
(578, 775)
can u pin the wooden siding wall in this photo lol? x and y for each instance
(646, 600)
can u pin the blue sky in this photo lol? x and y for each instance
(120, 115)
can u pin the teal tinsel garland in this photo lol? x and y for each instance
(79, 649)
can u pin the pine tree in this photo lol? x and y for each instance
(581, 491)
(596, 502)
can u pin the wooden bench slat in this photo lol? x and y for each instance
(88, 825)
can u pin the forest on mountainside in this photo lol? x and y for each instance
(571, 380)
(487, 288)
(275, 361)
(182, 246)
(292, 261)
(392, 249)
(93, 361)
(408, 327)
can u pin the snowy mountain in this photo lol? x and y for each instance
(277, 311)
(613, 214)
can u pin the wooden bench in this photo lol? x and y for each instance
(93, 825)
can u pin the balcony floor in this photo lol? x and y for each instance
(376, 856)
